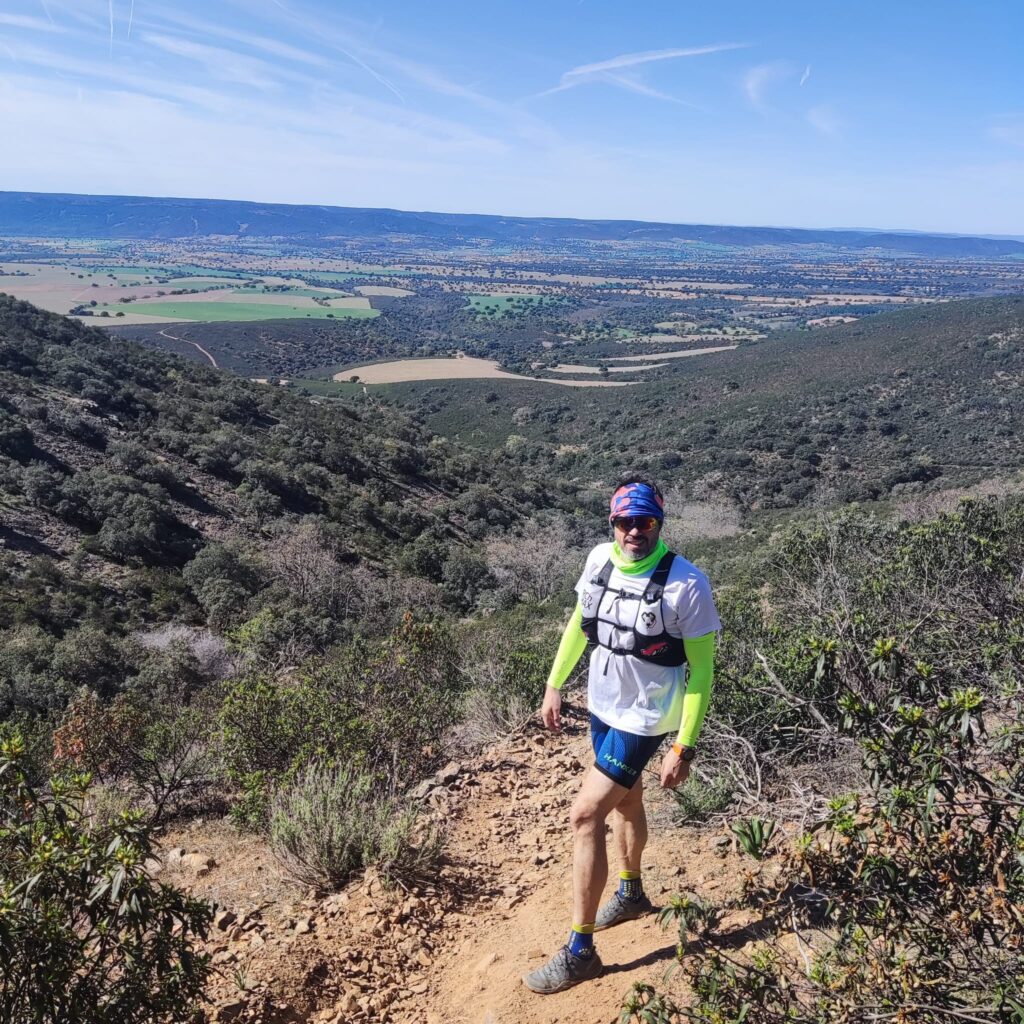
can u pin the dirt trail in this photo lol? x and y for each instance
(454, 950)
(514, 832)
(194, 344)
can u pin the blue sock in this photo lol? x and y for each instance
(581, 940)
(631, 886)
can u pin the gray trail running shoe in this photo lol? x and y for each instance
(619, 909)
(563, 971)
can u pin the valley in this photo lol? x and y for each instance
(289, 528)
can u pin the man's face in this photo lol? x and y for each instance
(636, 535)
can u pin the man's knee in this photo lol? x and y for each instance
(586, 816)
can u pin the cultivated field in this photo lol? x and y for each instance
(459, 368)
(203, 309)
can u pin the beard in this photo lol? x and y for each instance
(646, 547)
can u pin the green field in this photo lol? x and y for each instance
(497, 305)
(236, 311)
(326, 388)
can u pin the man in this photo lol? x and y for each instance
(650, 615)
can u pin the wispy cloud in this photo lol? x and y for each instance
(629, 60)
(1008, 128)
(759, 78)
(131, 19)
(325, 36)
(603, 70)
(825, 120)
(27, 22)
(632, 84)
(226, 65)
(389, 85)
(805, 75)
(193, 26)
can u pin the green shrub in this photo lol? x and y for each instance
(159, 754)
(86, 936)
(699, 799)
(382, 707)
(331, 821)
(506, 675)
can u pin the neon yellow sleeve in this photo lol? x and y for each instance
(700, 656)
(572, 645)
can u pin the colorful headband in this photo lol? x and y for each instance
(636, 499)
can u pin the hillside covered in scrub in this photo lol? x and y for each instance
(854, 413)
(125, 474)
(851, 836)
(282, 655)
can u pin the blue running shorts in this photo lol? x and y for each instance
(621, 756)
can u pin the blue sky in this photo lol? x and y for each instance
(893, 115)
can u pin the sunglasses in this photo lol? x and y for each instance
(643, 523)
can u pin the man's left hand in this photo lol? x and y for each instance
(674, 770)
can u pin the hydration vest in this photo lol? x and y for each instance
(647, 639)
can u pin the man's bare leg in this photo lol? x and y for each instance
(629, 828)
(597, 798)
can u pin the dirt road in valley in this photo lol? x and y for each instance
(194, 344)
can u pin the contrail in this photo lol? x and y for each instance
(110, 7)
(628, 60)
(131, 18)
(591, 72)
(351, 56)
(46, 11)
(366, 67)
(806, 74)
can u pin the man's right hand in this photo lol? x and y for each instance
(551, 709)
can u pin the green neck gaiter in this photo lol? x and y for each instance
(621, 563)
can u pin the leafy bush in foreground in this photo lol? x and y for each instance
(86, 936)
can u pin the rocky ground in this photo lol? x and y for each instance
(455, 950)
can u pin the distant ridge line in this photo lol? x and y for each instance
(68, 215)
